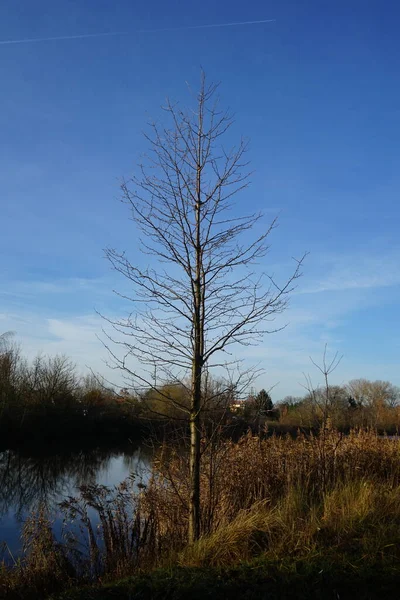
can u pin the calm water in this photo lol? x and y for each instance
(28, 481)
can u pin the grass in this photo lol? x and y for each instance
(250, 581)
(315, 517)
(348, 545)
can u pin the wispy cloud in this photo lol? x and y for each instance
(322, 310)
(355, 272)
(74, 336)
(61, 319)
(58, 286)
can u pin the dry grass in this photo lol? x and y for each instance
(357, 519)
(44, 567)
(278, 498)
(124, 539)
(235, 476)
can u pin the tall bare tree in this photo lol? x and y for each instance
(204, 295)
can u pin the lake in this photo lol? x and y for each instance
(29, 480)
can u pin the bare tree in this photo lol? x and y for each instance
(323, 398)
(10, 369)
(204, 296)
(372, 398)
(4, 338)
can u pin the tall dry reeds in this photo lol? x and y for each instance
(281, 498)
(113, 534)
(237, 475)
(44, 566)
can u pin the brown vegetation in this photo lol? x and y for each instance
(271, 499)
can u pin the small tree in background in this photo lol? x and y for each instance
(263, 403)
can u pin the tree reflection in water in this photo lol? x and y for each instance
(30, 481)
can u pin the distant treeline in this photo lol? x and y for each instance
(358, 404)
(46, 400)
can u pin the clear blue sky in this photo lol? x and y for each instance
(317, 92)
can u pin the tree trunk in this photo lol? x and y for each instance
(195, 432)
(198, 350)
(194, 501)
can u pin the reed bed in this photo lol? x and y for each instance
(265, 498)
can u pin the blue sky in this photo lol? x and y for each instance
(318, 94)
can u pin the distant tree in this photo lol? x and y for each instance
(352, 402)
(331, 402)
(6, 359)
(4, 340)
(287, 409)
(11, 371)
(52, 381)
(326, 398)
(263, 403)
(167, 400)
(291, 401)
(372, 393)
(375, 400)
(258, 405)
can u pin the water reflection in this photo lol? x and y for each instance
(28, 481)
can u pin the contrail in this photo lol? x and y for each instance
(206, 26)
(61, 37)
(112, 33)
